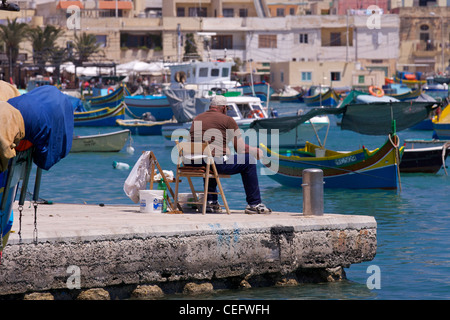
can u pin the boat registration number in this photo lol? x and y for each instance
(345, 160)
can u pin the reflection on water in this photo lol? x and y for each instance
(311, 291)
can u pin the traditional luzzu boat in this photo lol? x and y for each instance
(321, 96)
(100, 117)
(356, 169)
(37, 127)
(112, 99)
(360, 169)
(156, 104)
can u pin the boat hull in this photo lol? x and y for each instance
(107, 142)
(328, 99)
(361, 169)
(423, 160)
(261, 90)
(16, 171)
(99, 118)
(296, 98)
(142, 127)
(108, 101)
(442, 130)
(158, 106)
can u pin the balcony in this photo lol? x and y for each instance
(424, 49)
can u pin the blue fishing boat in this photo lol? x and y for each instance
(157, 105)
(360, 169)
(112, 99)
(321, 96)
(100, 117)
(436, 89)
(295, 98)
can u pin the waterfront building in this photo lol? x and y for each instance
(256, 34)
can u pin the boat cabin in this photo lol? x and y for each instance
(245, 107)
(206, 75)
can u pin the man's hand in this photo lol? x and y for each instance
(256, 152)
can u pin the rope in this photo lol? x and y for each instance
(444, 151)
(397, 158)
(131, 113)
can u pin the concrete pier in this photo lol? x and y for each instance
(91, 246)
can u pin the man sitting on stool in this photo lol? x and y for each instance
(215, 127)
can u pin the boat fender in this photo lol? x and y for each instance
(255, 111)
(120, 165)
(376, 91)
(180, 77)
(110, 89)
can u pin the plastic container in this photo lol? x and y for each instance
(151, 201)
(120, 165)
(184, 198)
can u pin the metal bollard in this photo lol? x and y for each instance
(312, 192)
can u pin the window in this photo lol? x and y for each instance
(361, 79)
(291, 11)
(225, 72)
(101, 39)
(335, 39)
(267, 41)
(243, 13)
(136, 41)
(181, 12)
(197, 12)
(335, 76)
(306, 76)
(203, 72)
(280, 12)
(228, 13)
(303, 38)
(215, 72)
(222, 42)
(282, 76)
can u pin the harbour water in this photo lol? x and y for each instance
(413, 255)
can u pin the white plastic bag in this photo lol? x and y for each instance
(138, 177)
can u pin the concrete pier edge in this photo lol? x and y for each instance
(119, 249)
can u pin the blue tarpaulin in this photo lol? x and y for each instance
(49, 121)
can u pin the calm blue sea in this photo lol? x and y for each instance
(413, 253)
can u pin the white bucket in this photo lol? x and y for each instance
(151, 200)
(320, 153)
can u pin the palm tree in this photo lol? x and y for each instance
(57, 57)
(13, 33)
(43, 42)
(85, 46)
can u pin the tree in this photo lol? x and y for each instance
(43, 42)
(58, 56)
(190, 48)
(85, 46)
(13, 33)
